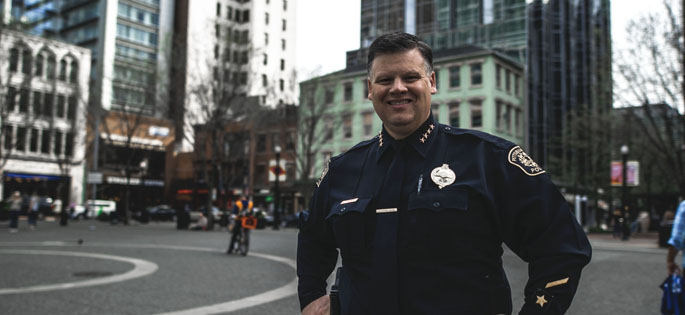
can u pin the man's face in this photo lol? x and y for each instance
(400, 90)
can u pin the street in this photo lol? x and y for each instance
(155, 269)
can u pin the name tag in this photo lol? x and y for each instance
(344, 202)
(386, 210)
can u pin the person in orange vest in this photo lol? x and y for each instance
(241, 208)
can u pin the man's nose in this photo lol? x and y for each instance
(398, 86)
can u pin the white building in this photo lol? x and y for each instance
(247, 44)
(44, 91)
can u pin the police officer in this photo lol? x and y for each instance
(420, 212)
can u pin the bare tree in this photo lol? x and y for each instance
(652, 72)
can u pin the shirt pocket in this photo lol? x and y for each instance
(349, 220)
(438, 219)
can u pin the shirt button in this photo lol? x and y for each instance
(343, 209)
(436, 204)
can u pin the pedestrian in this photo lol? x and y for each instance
(677, 241)
(15, 208)
(420, 212)
(34, 203)
(201, 224)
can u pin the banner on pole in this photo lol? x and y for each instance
(633, 173)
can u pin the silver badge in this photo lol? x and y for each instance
(443, 176)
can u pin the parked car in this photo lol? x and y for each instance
(194, 215)
(155, 213)
(95, 209)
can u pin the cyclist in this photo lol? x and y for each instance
(242, 207)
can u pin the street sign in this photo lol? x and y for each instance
(94, 178)
(275, 170)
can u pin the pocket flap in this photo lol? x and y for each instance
(437, 200)
(359, 205)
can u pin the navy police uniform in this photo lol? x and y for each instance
(420, 224)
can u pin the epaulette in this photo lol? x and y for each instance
(495, 140)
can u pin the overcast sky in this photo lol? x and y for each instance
(326, 29)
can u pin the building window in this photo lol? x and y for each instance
(26, 62)
(33, 140)
(37, 103)
(8, 132)
(73, 75)
(435, 110)
(71, 112)
(282, 44)
(218, 9)
(476, 114)
(507, 118)
(281, 84)
(260, 174)
(476, 74)
(61, 105)
(454, 76)
(507, 81)
(62, 76)
(58, 143)
(45, 142)
(229, 13)
(246, 16)
(328, 126)
(266, 59)
(243, 57)
(264, 80)
(347, 126)
(217, 30)
(40, 59)
(21, 139)
(266, 39)
(282, 64)
(243, 78)
(499, 114)
(368, 124)
(48, 104)
(517, 83)
(24, 100)
(266, 18)
(261, 143)
(328, 95)
(227, 54)
(216, 52)
(284, 24)
(11, 98)
(14, 60)
(275, 141)
(498, 76)
(69, 150)
(52, 66)
(285, 5)
(348, 92)
(518, 122)
(454, 114)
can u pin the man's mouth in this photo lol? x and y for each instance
(399, 102)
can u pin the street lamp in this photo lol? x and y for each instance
(624, 192)
(277, 197)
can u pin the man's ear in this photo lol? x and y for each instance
(434, 88)
(368, 84)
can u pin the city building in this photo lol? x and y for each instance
(231, 51)
(43, 97)
(569, 74)
(494, 24)
(478, 89)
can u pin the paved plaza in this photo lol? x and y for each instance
(91, 267)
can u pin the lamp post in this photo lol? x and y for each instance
(277, 197)
(624, 192)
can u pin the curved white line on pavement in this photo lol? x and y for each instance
(141, 268)
(250, 301)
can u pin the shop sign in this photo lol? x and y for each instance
(158, 131)
(94, 178)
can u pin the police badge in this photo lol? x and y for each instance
(443, 176)
(524, 162)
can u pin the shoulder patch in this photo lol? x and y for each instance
(323, 174)
(520, 159)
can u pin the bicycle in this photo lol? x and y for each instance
(247, 223)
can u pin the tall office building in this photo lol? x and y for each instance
(445, 24)
(569, 73)
(243, 48)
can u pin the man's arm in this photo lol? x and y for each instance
(316, 254)
(539, 227)
(671, 266)
(320, 306)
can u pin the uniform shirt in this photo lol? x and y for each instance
(449, 240)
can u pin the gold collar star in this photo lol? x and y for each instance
(380, 137)
(541, 300)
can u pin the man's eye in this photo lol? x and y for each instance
(383, 81)
(411, 78)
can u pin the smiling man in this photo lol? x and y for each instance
(420, 212)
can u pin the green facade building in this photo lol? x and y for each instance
(477, 89)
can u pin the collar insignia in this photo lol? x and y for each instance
(380, 138)
(520, 159)
(541, 300)
(425, 135)
(323, 174)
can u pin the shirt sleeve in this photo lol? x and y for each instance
(538, 225)
(316, 252)
(678, 231)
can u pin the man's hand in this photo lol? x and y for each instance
(320, 306)
(671, 266)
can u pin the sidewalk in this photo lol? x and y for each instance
(638, 240)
